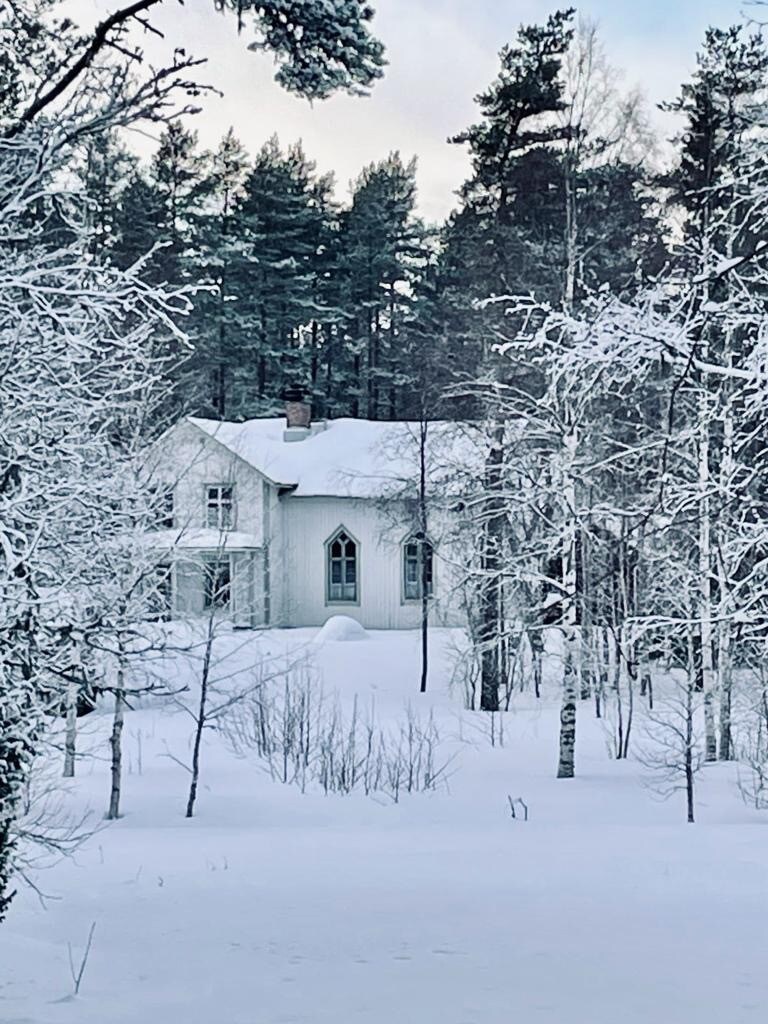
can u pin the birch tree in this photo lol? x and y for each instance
(73, 329)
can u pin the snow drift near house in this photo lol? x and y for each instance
(341, 628)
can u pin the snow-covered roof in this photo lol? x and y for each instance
(341, 458)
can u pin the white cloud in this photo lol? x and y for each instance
(441, 53)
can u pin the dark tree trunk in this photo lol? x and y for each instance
(491, 569)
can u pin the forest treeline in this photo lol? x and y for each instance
(360, 301)
(592, 311)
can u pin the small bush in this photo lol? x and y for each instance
(307, 739)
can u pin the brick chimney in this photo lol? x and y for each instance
(298, 415)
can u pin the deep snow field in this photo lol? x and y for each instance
(272, 906)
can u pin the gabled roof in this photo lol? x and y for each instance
(345, 458)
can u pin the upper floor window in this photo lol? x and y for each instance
(418, 569)
(165, 517)
(220, 506)
(342, 567)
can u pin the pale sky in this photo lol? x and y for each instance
(441, 54)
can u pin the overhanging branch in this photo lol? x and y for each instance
(100, 39)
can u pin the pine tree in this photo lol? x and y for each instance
(505, 234)
(208, 373)
(382, 246)
(326, 379)
(106, 168)
(136, 219)
(280, 223)
(177, 175)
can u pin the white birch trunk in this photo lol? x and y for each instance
(724, 630)
(705, 580)
(116, 743)
(566, 767)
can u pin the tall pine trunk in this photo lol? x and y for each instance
(491, 567)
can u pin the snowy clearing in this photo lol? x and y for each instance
(274, 906)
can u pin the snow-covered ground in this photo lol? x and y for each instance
(272, 906)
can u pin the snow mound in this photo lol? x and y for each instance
(341, 627)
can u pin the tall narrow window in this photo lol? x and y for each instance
(217, 582)
(342, 568)
(418, 569)
(220, 506)
(166, 509)
(160, 595)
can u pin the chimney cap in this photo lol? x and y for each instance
(295, 393)
(298, 414)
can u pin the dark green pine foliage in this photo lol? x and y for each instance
(718, 105)
(518, 122)
(177, 175)
(107, 167)
(320, 48)
(325, 339)
(507, 237)
(136, 219)
(621, 238)
(275, 287)
(208, 374)
(425, 352)
(383, 251)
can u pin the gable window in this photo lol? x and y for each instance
(220, 506)
(163, 508)
(167, 519)
(342, 570)
(418, 569)
(217, 582)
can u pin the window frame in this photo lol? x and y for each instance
(341, 601)
(414, 538)
(162, 592)
(167, 509)
(218, 504)
(210, 604)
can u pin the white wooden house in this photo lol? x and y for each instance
(286, 522)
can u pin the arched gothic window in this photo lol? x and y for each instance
(342, 568)
(418, 568)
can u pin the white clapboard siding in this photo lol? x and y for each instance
(308, 524)
(190, 461)
(278, 545)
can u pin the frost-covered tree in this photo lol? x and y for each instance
(76, 333)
